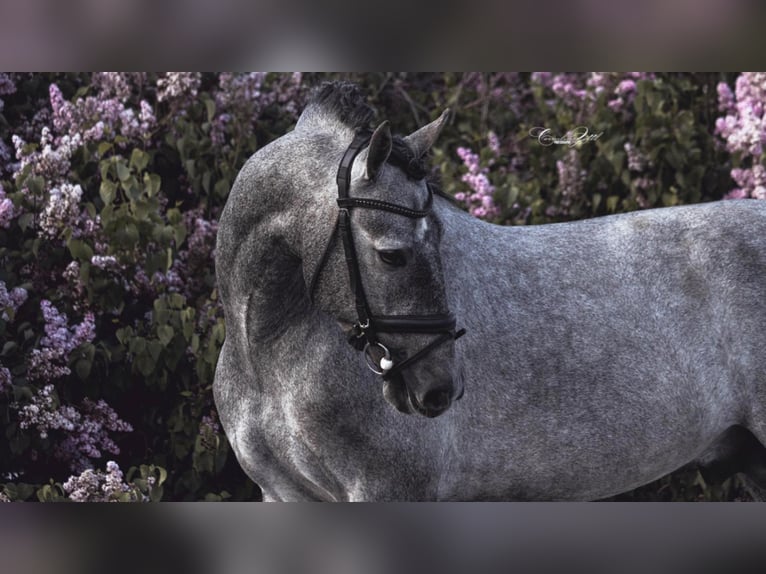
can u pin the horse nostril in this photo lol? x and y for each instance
(436, 400)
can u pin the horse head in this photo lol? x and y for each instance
(385, 285)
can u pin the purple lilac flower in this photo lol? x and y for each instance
(90, 435)
(52, 161)
(11, 300)
(218, 129)
(6, 380)
(105, 262)
(6, 153)
(85, 430)
(117, 84)
(625, 87)
(581, 91)
(480, 203)
(494, 143)
(637, 161)
(62, 210)
(97, 486)
(235, 90)
(726, 99)
(94, 118)
(544, 79)
(743, 129)
(209, 424)
(178, 86)
(7, 210)
(7, 85)
(48, 362)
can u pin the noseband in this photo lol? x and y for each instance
(363, 335)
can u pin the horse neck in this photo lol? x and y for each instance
(274, 221)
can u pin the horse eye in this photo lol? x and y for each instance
(393, 257)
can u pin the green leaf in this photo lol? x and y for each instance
(79, 249)
(210, 108)
(174, 216)
(139, 159)
(145, 364)
(8, 348)
(161, 313)
(194, 343)
(191, 168)
(36, 246)
(103, 148)
(206, 181)
(165, 334)
(36, 185)
(83, 368)
(131, 187)
(179, 234)
(221, 188)
(127, 236)
(137, 345)
(187, 322)
(152, 184)
(155, 350)
(26, 221)
(176, 301)
(123, 172)
(104, 167)
(107, 192)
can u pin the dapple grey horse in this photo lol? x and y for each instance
(600, 355)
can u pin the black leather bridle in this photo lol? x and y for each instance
(363, 335)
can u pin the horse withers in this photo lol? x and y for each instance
(598, 355)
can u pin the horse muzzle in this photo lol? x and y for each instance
(431, 403)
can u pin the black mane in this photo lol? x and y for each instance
(345, 101)
(348, 103)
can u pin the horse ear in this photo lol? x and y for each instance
(379, 150)
(422, 140)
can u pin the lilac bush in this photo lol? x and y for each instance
(575, 145)
(110, 187)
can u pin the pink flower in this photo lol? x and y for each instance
(625, 87)
(736, 193)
